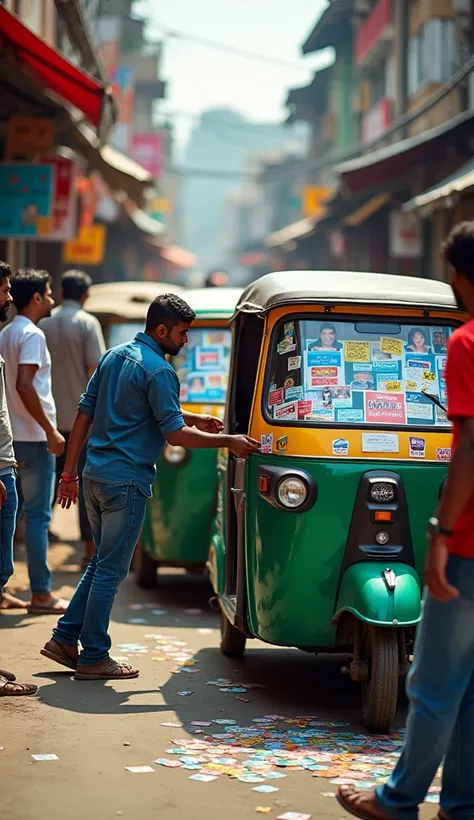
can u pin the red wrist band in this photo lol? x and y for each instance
(69, 478)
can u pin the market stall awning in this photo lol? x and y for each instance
(119, 172)
(143, 221)
(368, 209)
(375, 169)
(55, 73)
(460, 181)
(291, 233)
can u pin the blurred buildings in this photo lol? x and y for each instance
(390, 166)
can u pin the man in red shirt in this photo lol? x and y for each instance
(440, 684)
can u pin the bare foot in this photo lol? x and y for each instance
(360, 803)
(8, 601)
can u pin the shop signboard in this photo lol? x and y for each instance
(28, 137)
(88, 248)
(26, 204)
(147, 150)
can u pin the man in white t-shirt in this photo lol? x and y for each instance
(33, 417)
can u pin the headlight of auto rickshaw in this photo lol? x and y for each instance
(292, 492)
(174, 454)
(382, 492)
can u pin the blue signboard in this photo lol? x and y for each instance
(26, 200)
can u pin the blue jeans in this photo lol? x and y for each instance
(116, 513)
(7, 528)
(36, 472)
(440, 723)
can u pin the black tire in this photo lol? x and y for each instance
(380, 691)
(145, 568)
(232, 639)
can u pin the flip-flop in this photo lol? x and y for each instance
(347, 806)
(111, 671)
(9, 689)
(10, 677)
(58, 608)
(55, 651)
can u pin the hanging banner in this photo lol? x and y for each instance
(26, 203)
(147, 150)
(406, 235)
(64, 205)
(88, 248)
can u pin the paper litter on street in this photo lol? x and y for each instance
(45, 757)
(139, 769)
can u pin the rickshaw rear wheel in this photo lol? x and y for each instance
(232, 639)
(380, 690)
(145, 568)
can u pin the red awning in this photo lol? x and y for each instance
(54, 71)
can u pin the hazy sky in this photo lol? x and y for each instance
(201, 78)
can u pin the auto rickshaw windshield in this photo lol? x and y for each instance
(348, 372)
(203, 366)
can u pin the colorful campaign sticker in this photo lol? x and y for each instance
(355, 351)
(394, 347)
(363, 378)
(380, 443)
(294, 363)
(304, 408)
(387, 365)
(286, 346)
(285, 411)
(289, 382)
(352, 416)
(208, 358)
(323, 414)
(282, 444)
(417, 447)
(443, 454)
(340, 447)
(275, 397)
(385, 408)
(389, 386)
(419, 408)
(320, 376)
(288, 329)
(266, 443)
(341, 396)
(294, 393)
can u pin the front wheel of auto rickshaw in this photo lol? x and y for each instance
(145, 568)
(232, 639)
(380, 690)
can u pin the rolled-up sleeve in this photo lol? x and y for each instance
(88, 400)
(163, 395)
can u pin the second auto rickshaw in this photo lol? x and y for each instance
(179, 516)
(319, 539)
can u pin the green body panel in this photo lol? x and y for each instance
(364, 593)
(294, 560)
(179, 516)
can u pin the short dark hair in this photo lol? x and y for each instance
(25, 283)
(411, 334)
(168, 309)
(5, 270)
(75, 284)
(458, 249)
(327, 326)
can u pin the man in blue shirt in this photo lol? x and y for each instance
(132, 405)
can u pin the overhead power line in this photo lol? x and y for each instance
(228, 49)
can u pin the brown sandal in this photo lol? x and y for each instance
(108, 670)
(55, 651)
(10, 689)
(343, 795)
(8, 675)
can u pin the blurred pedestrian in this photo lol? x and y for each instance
(132, 405)
(33, 417)
(217, 279)
(76, 343)
(8, 498)
(440, 683)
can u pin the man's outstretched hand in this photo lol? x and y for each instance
(208, 424)
(243, 446)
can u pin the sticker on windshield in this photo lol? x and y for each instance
(266, 443)
(443, 454)
(380, 443)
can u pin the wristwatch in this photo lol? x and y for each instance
(435, 528)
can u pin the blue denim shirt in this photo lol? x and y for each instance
(134, 399)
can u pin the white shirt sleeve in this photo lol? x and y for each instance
(32, 348)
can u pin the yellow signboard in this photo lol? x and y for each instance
(314, 198)
(28, 137)
(87, 248)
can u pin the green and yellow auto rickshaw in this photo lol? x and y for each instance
(179, 516)
(319, 539)
(121, 307)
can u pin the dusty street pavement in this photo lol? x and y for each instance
(78, 721)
